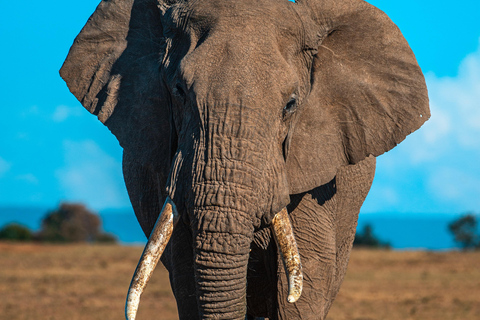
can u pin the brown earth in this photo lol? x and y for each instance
(410, 285)
(90, 282)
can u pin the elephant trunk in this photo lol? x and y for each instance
(221, 259)
(221, 271)
(226, 209)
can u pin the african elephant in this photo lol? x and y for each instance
(253, 121)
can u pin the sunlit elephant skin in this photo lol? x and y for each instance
(234, 113)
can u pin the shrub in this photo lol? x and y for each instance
(464, 231)
(72, 222)
(106, 238)
(366, 238)
(15, 232)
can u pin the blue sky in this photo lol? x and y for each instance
(51, 149)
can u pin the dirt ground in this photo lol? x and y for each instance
(90, 282)
(410, 285)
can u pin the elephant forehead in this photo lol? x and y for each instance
(227, 68)
(239, 50)
(276, 19)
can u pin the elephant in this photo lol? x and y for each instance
(249, 131)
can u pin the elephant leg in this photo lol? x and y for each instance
(324, 222)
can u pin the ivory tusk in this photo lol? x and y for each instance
(283, 234)
(154, 248)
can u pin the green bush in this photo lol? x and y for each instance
(15, 232)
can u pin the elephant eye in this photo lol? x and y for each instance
(178, 91)
(291, 106)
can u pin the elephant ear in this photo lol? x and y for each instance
(368, 93)
(113, 69)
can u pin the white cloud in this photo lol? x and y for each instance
(28, 177)
(383, 196)
(459, 99)
(454, 184)
(4, 166)
(62, 113)
(443, 156)
(455, 108)
(31, 111)
(92, 176)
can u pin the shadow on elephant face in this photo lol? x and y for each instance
(236, 110)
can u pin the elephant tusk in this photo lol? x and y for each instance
(283, 233)
(154, 248)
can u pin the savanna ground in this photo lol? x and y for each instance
(90, 282)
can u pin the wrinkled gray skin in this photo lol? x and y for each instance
(237, 109)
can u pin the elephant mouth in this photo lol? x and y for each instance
(158, 240)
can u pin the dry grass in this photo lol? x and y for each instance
(90, 282)
(411, 285)
(76, 282)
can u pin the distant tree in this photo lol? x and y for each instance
(464, 231)
(72, 222)
(366, 238)
(15, 232)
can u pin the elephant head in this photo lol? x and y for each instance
(227, 112)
